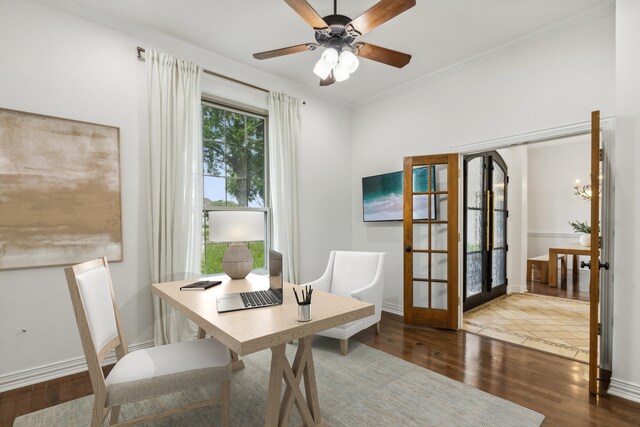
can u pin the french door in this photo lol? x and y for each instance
(430, 197)
(485, 228)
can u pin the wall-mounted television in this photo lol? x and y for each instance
(382, 196)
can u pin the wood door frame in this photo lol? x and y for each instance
(607, 128)
(595, 257)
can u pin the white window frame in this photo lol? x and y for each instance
(266, 209)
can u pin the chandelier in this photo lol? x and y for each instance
(584, 191)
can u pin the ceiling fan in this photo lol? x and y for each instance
(338, 33)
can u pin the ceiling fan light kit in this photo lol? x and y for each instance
(337, 34)
(342, 65)
(330, 56)
(349, 60)
(322, 69)
(341, 72)
(325, 64)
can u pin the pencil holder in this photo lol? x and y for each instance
(304, 312)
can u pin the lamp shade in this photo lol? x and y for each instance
(236, 226)
(322, 69)
(341, 72)
(349, 60)
(330, 56)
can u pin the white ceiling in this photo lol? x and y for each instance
(437, 33)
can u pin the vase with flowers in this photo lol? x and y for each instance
(585, 229)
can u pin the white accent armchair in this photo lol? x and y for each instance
(358, 275)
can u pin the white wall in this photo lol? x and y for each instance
(625, 380)
(516, 161)
(550, 83)
(58, 65)
(62, 65)
(553, 167)
(324, 193)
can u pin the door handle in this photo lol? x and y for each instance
(488, 221)
(600, 265)
(407, 248)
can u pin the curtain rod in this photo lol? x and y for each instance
(141, 50)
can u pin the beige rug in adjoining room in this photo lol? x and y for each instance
(554, 325)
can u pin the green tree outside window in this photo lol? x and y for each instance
(234, 171)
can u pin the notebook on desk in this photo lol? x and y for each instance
(256, 299)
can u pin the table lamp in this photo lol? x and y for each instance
(236, 227)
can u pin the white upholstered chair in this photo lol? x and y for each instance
(144, 373)
(358, 275)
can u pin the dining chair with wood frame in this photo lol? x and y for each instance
(140, 374)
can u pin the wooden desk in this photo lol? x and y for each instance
(575, 250)
(248, 331)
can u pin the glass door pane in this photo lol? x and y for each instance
(430, 263)
(498, 226)
(474, 223)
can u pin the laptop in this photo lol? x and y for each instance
(257, 299)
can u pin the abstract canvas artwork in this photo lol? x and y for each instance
(59, 191)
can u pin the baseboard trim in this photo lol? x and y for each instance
(393, 308)
(516, 289)
(624, 389)
(55, 370)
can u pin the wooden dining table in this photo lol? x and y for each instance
(575, 249)
(248, 331)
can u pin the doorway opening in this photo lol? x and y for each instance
(542, 312)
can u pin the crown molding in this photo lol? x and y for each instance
(606, 124)
(542, 34)
(203, 57)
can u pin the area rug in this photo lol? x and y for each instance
(555, 325)
(365, 388)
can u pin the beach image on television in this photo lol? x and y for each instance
(382, 196)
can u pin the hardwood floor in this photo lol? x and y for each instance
(551, 385)
(577, 287)
(32, 398)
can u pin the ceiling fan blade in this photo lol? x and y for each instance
(381, 54)
(309, 14)
(285, 51)
(331, 79)
(377, 15)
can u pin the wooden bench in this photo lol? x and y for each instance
(542, 265)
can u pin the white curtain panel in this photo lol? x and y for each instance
(174, 184)
(284, 136)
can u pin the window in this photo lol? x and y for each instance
(234, 159)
